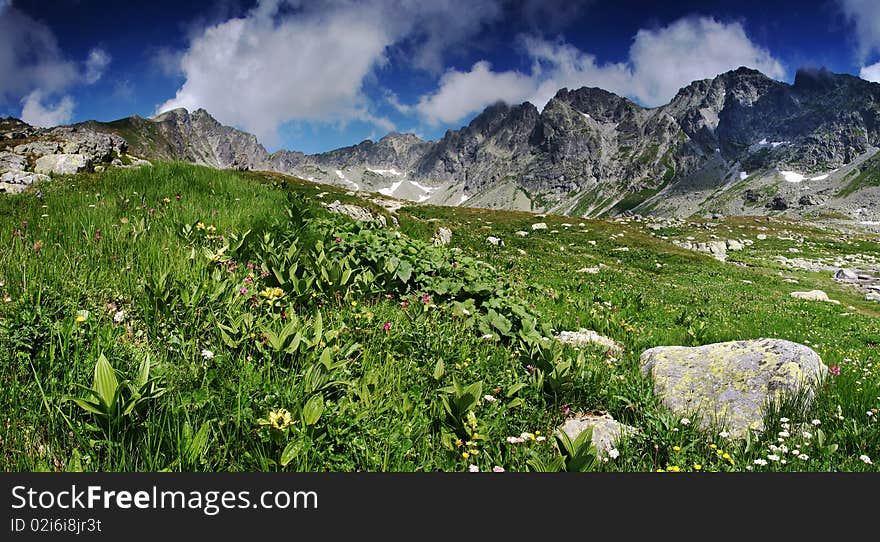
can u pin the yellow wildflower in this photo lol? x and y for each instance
(279, 419)
(200, 226)
(698, 467)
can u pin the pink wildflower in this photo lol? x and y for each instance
(243, 291)
(387, 326)
(834, 369)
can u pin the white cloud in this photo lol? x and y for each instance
(96, 63)
(30, 57)
(865, 16)
(693, 48)
(309, 61)
(35, 113)
(462, 93)
(660, 62)
(871, 73)
(36, 71)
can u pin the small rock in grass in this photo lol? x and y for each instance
(606, 432)
(814, 295)
(586, 337)
(495, 241)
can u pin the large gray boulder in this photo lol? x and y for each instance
(731, 383)
(62, 164)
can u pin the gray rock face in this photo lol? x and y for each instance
(731, 382)
(198, 137)
(11, 162)
(607, 432)
(38, 148)
(98, 147)
(62, 164)
(778, 203)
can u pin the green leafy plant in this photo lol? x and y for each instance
(115, 402)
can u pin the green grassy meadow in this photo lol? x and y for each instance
(181, 318)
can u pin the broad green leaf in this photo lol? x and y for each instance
(404, 271)
(511, 391)
(105, 382)
(439, 369)
(290, 452)
(313, 409)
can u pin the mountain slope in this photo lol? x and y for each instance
(739, 143)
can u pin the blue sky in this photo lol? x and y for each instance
(314, 75)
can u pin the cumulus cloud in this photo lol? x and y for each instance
(660, 62)
(871, 73)
(30, 57)
(462, 93)
(37, 73)
(864, 15)
(308, 61)
(37, 113)
(96, 63)
(666, 59)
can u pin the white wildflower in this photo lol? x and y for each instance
(613, 453)
(784, 434)
(784, 420)
(816, 422)
(684, 421)
(489, 398)
(773, 457)
(119, 317)
(761, 462)
(207, 354)
(473, 468)
(807, 435)
(804, 457)
(865, 459)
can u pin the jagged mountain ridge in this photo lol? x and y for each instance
(738, 143)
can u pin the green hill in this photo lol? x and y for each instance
(280, 336)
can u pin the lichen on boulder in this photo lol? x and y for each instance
(732, 383)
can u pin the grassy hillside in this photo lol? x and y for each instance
(226, 321)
